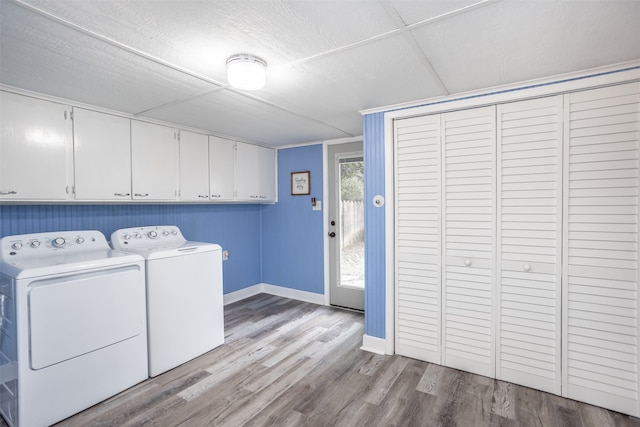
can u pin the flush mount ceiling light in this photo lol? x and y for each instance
(246, 72)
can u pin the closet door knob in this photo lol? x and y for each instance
(467, 262)
(526, 267)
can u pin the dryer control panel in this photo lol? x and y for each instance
(141, 237)
(51, 244)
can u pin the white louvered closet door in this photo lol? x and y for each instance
(469, 160)
(600, 290)
(529, 243)
(418, 256)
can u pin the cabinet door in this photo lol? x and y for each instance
(194, 166)
(530, 240)
(154, 161)
(600, 274)
(469, 160)
(102, 156)
(36, 159)
(247, 172)
(221, 168)
(267, 178)
(418, 248)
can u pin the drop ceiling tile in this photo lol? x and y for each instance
(201, 35)
(227, 113)
(508, 42)
(44, 56)
(334, 87)
(412, 11)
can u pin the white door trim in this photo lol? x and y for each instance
(325, 210)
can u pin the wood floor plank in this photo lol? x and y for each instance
(288, 363)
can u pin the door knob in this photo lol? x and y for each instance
(332, 234)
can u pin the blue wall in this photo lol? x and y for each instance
(234, 227)
(292, 233)
(280, 244)
(374, 226)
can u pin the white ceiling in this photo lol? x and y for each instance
(328, 60)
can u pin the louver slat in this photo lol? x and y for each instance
(469, 140)
(530, 200)
(600, 314)
(418, 256)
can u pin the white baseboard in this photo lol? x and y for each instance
(236, 296)
(281, 291)
(374, 344)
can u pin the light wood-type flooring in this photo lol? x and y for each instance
(290, 363)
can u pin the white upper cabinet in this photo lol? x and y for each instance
(102, 156)
(469, 200)
(221, 169)
(418, 249)
(155, 161)
(49, 152)
(36, 159)
(530, 242)
(267, 179)
(194, 166)
(255, 173)
(600, 270)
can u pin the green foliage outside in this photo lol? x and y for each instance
(352, 179)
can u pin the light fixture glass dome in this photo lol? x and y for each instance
(246, 72)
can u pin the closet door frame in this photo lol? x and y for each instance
(553, 85)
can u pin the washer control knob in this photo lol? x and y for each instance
(138, 236)
(58, 242)
(165, 233)
(152, 234)
(126, 236)
(35, 244)
(17, 245)
(80, 240)
(174, 232)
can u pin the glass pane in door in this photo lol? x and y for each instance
(351, 223)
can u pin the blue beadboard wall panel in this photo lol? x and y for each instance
(234, 227)
(292, 234)
(374, 226)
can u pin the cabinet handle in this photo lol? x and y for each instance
(526, 267)
(202, 197)
(4, 193)
(467, 262)
(141, 195)
(217, 196)
(122, 194)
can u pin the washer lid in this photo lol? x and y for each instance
(66, 263)
(174, 250)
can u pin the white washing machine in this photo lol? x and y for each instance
(72, 324)
(185, 313)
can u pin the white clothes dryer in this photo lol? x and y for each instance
(73, 325)
(185, 313)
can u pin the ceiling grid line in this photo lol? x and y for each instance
(165, 61)
(422, 56)
(144, 55)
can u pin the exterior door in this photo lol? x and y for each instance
(346, 225)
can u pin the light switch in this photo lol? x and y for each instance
(317, 206)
